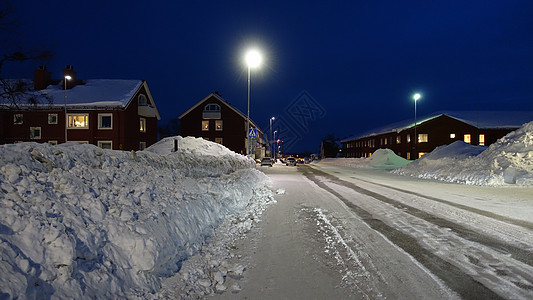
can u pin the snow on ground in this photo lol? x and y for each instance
(508, 161)
(381, 159)
(80, 221)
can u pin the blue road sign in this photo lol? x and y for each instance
(252, 132)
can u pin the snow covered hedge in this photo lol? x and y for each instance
(80, 221)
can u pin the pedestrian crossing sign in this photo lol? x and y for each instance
(252, 132)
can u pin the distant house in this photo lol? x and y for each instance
(110, 113)
(214, 119)
(442, 128)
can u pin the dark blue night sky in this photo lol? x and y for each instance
(356, 63)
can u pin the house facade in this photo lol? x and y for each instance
(109, 113)
(214, 119)
(476, 128)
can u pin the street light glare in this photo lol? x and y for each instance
(253, 58)
(416, 96)
(67, 77)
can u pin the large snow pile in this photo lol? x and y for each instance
(508, 161)
(80, 221)
(381, 159)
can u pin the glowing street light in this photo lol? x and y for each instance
(67, 77)
(416, 97)
(253, 60)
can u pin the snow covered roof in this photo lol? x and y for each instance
(479, 119)
(94, 92)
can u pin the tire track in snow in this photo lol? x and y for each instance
(460, 282)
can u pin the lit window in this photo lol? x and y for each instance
(105, 121)
(105, 144)
(205, 125)
(409, 155)
(398, 139)
(142, 100)
(18, 118)
(386, 141)
(142, 127)
(142, 145)
(78, 121)
(420, 154)
(52, 118)
(408, 138)
(218, 125)
(452, 135)
(35, 133)
(467, 138)
(482, 140)
(423, 138)
(218, 140)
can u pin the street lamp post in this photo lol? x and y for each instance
(415, 97)
(253, 59)
(270, 141)
(275, 141)
(67, 77)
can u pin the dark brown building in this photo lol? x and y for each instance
(477, 128)
(110, 113)
(213, 119)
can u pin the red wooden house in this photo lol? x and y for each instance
(110, 113)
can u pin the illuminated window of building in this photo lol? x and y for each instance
(105, 121)
(452, 135)
(482, 140)
(409, 155)
(467, 138)
(142, 145)
(423, 138)
(142, 100)
(420, 154)
(205, 125)
(142, 127)
(105, 144)
(386, 140)
(218, 140)
(398, 140)
(18, 118)
(80, 121)
(52, 118)
(218, 125)
(35, 133)
(52, 142)
(408, 138)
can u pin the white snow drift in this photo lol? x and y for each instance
(79, 221)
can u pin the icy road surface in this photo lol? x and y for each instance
(339, 233)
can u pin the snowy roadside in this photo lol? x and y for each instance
(78, 221)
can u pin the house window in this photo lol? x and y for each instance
(105, 144)
(212, 107)
(409, 155)
(35, 133)
(386, 139)
(422, 138)
(142, 127)
(452, 135)
(467, 138)
(408, 138)
(211, 111)
(398, 140)
(105, 121)
(218, 125)
(52, 142)
(420, 154)
(218, 140)
(142, 100)
(142, 145)
(205, 125)
(18, 118)
(80, 121)
(52, 118)
(482, 140)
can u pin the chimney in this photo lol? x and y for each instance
(69, 70)
(41, 78)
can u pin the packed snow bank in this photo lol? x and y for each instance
(80, 221)
(508, 161)
(381, 159)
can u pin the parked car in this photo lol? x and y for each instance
(267, 161)
(291, 161)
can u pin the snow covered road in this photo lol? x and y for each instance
(361, 234)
